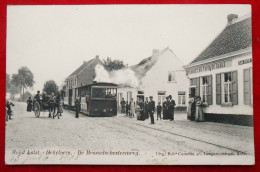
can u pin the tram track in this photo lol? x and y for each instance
(180, 135)
(190, 138)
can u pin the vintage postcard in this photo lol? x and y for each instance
(129, 85)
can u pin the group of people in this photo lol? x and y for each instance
(52, 102)
(195, 109)
(146, 108)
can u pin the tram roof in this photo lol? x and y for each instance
(103, 84)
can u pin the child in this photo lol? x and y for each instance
(159, 110)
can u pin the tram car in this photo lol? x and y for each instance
(97, 99)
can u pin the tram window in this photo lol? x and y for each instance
(104, 93)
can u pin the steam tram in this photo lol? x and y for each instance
(97, 99)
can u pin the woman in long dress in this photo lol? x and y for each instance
(29, 104)
(132, 107)
(199, 116)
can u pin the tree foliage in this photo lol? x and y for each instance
(111, 65)
(8, 82)
(26, 96)
(50, 86)
(10, 88)
(23, 79)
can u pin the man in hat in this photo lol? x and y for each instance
(171, 108)
(77, 106)
(146, 102)
(165, 108)
(151, 108)
(38, 96)
(123, 105)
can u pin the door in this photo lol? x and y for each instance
(70, 97)
(193, 92)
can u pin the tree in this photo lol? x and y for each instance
(110, 64)
(26, 96)
(23, 79)
(10, 88)
(8, 82)
(50, 86)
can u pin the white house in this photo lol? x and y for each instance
(222, 74)
(160, 75)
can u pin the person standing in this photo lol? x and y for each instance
(151, 108)
(159, 111)
(146, 102)
(9, 109)
(141, 105)
(29, 104)
(171, 108)
(77, 106)
(189, 107)
(59, 103)
(127, 108)
(123, 105)
(165, 108)
(199, 116)
(132, 107)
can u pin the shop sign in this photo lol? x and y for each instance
(209, 67)
(241, 62)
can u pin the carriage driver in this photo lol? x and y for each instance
(38, 97)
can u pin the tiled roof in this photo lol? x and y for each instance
(78, 70)
(234, 37)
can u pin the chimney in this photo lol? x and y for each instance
(231, 17)
(97, 56)
(155, 51)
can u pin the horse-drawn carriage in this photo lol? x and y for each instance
(47, 104)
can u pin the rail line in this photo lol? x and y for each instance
(187, 137)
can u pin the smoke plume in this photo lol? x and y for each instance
(124, 77)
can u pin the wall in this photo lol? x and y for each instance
(239, 109)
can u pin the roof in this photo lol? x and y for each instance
(146, 64)
(86, 72)
(83, 66)
(235, 36)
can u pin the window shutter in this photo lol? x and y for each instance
(247, 87)
(209, 91)
(197, 80)
(218, 88)
(234, 93)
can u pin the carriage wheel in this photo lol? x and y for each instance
(37, 109)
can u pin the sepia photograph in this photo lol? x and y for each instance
(129, 85)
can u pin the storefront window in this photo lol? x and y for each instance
(227, 87)
(204, 88)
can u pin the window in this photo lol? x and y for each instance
(171, 76)
(103, 92)
(161, 96)
(195, 82)
(181, 98)
(204, 88)
(227, 87)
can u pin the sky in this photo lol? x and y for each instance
(53, 41)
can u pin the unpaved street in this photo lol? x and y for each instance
(120, 132)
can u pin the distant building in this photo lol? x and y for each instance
(160, 75)
(77, 81)
(222, 74)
